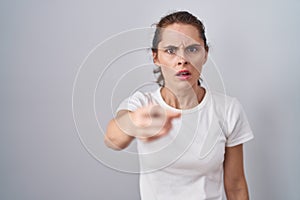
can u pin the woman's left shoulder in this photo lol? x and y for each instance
(220, 99)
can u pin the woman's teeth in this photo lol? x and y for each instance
(184, 73)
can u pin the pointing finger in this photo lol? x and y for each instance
(172, 114)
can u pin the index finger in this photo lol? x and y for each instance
(172, 114)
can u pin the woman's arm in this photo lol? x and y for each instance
(146, 123)
(117, 136)
(234, 178)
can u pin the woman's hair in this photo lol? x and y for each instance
(181, 17)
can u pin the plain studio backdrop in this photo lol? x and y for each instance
(254, 43)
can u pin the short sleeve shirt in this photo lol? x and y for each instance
(187, 163)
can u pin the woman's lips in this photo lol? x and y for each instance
(183, 74)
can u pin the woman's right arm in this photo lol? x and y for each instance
(118, 130)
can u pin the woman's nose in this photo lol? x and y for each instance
(182, 60)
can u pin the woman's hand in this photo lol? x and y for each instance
(147, 124)
(152, 122)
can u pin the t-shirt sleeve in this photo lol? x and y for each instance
(135, 101)
(239, 130)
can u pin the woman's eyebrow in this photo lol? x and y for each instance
(170, 46)
(195, 45)
(191, 45)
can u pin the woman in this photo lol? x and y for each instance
(194, 136)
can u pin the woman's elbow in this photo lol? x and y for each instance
(113, 144)
(113, 138)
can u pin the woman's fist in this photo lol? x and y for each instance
(151, 122)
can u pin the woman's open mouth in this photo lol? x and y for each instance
(184, 74)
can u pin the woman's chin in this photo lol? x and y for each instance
(181, 85)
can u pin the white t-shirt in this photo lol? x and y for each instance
(187, 163)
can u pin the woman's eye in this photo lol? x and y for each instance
(192, 49)
(170, 50)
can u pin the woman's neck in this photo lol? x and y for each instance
(183, 98)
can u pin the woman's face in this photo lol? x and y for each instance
(181, 55)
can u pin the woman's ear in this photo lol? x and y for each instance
(205, 57)
(155, 58)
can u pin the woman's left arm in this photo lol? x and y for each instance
(234, 178)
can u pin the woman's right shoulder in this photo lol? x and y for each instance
(144, 98)
(138, 99)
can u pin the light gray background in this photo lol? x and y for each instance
(255, 44)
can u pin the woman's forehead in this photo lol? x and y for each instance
(179, 40)
(180, 34)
